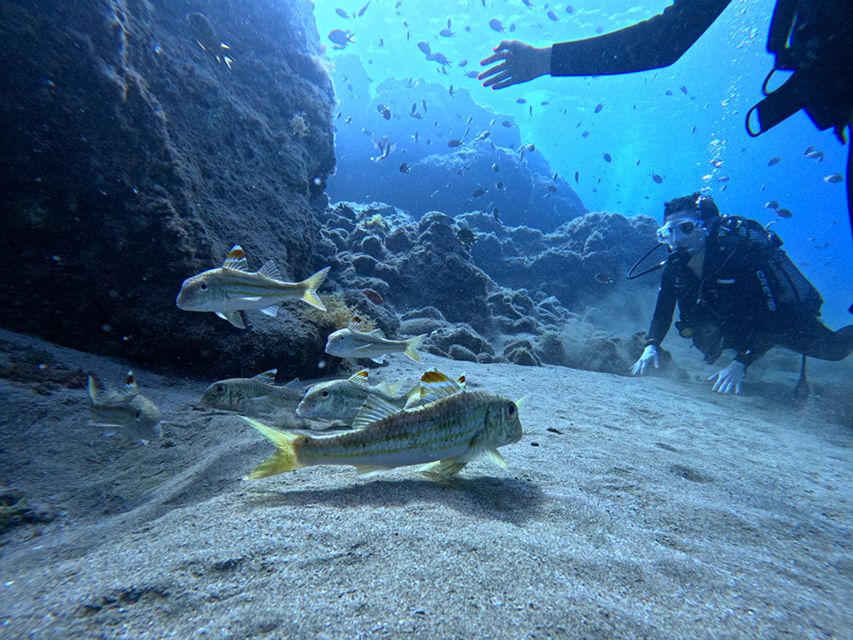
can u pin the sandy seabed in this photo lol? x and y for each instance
(632, 508)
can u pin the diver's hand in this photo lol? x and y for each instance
(650, 354)
(730, 379)
(515, 62)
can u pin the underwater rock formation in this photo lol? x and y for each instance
(134, 155)
(447, 154)
(467, 281)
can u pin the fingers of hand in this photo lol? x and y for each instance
(501, 79)
(492, 71)
(492, 59)
(506, 83)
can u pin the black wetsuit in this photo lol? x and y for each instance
(744, 302)
(824, 87)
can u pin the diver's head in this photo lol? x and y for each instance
(687, 222)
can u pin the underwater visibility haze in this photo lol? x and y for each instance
(309, 331)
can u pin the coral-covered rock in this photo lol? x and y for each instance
(443, 339)
(521, 352)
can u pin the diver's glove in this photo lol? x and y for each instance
(730, 379)
(650, 354)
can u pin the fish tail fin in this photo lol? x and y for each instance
(311, 284)
(412, 345)
(286, 457)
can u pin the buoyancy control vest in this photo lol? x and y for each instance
(783, 284)
(814, 39)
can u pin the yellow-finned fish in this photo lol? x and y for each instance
(448, 431)
(127, 410)
(353, 343)
(341, 400)
(232, 288)
(206, 38)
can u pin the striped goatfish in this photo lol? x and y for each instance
(448, 431)
(340, 400)
(353, 342)
(125, 409)
(231, 289)
(253, 395)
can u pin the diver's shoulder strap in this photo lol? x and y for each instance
(740, 229)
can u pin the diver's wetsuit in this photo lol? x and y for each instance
(740, 303)
(824, 88)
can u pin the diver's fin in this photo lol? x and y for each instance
(236, 259)
(311, 284)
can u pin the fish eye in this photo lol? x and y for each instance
(220, 388)
(138, 415)
(203, 286)
(325, 393)
(510, 409)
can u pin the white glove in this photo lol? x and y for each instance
(730, 379)
(650, 354)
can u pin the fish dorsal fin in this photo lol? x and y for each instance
(130, 387)
(236, 259)
(294, 385)
(266, 377)
(270, 270)
(356, 325)
(92, 387)
(436, 385)
(373, 410)
(360, 377)
(392, 389)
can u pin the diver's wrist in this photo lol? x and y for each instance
(745, 357)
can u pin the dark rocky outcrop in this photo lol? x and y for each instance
(131, 159)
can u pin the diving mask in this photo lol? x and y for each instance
(680, 234)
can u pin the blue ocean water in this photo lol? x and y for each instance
(673, 122)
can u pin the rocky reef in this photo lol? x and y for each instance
(134, 155)
(141, 140)
(487, 292)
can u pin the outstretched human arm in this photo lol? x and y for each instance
(657, 42)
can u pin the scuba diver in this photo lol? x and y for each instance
(736, 289)
(812, 38)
